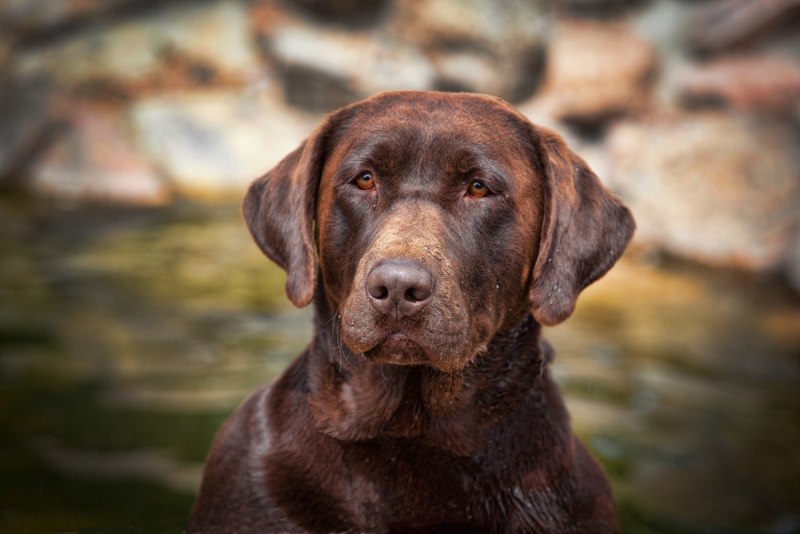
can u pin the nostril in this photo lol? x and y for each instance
(399, 286)
(417, 294)
(379, 292)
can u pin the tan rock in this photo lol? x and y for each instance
(96, 160)
(755, 83)
(487, 47)
(730, 24)
(216, 142)
(325, 68)
(710, 186)
(596, 71)
(25, 127)
(24, 18)
(187, 44)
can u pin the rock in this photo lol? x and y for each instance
(26, 125)
(325, 68)
(95, 160)
(736, 23)
(32, 19)
(710, 186)
(185, 45)
(596, 8)
(597, 71)
(212, 143)
(754, 83)
(346, 12)
(664, 26)
(496, 48)
(792, 267)
(6, 53)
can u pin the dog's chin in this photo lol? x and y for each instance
(398, 349)
(402, 350)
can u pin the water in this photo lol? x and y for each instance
(127, 336)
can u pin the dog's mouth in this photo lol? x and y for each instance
(398, 348)
(410, 348)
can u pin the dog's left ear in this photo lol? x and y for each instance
(279, 211)
(585, 230)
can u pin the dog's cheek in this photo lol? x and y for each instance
(344, 235)
(512, 276)
(357, 318)
(492, 278)
(447, 332)
(357, 330)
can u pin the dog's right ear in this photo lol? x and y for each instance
(279, 211)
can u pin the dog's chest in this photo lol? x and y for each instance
(400, 480)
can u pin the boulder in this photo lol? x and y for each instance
(793, 264)
(326, 68)
(184, 45)
(755, 83)
(497, 48)
(356, 13)
(95, 159)
(26, 125)
(732, 24)
(710, 186)
(6, 53)
(597, 71)
(31, 19)
(213, 143)
(600, 9)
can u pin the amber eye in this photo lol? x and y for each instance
(365, 181)
(478, 189)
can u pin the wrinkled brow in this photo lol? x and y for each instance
(383, 150)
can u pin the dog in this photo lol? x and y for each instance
(435, 234)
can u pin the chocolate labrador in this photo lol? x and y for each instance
(435, 233)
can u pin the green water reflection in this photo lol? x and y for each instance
(126, 337)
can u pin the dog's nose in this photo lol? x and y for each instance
(399, 287)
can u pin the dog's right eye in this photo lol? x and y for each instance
(477, 189)
(365, 181)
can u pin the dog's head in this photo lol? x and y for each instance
(435, 220)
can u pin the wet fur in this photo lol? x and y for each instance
(458, 427)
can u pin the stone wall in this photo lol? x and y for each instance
(689, 110)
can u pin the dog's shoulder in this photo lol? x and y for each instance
(233, 470)
(234, 488)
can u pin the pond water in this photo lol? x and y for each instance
(127, 336)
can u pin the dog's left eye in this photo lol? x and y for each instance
(477, 189)
(365, 181)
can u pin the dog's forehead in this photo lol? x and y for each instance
(435, 123)
(433, 112)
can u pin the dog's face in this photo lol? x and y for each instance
(437, 221)
(428, 217)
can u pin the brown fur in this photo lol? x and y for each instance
(447, 420)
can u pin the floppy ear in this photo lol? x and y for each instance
(279, 211)
(585, 230)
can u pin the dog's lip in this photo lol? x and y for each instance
(400, 341)
(399, 348)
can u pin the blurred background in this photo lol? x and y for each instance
(135, 313)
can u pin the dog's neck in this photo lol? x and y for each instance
(354, 399)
